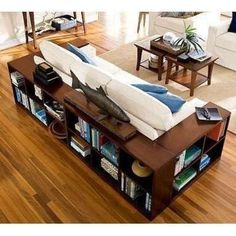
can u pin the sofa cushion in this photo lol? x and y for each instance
(232, 27)
(92, 75)
(227, 41)
(135, 101)
(58, 56)
(128, 78)
(105, 65)
(82, 55)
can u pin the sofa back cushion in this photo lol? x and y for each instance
(58, 56)
(92, 75)
(140, 104)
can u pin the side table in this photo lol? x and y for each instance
(189, 75)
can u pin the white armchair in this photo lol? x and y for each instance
(161, 25)
(222, 44)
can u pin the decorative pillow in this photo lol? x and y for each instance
(154, 88)
(82, 55)
(232, 27)
(172, 101)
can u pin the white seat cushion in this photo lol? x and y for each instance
(227, 41)
(92, 75)
(140, 104)
(60, 57)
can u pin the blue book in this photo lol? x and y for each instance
(111, 152)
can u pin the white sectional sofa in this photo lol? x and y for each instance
(151, 117)
(222, 43)
(161, 25)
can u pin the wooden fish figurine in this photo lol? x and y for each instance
(100, 99)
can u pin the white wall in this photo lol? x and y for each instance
(12, 26)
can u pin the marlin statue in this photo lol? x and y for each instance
(100, 99)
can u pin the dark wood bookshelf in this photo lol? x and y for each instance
(159, 155)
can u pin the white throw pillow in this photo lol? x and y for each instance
(92, 75)
(140, 104)
(60, 57)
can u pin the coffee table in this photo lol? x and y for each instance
(145, 45)
(189, 75)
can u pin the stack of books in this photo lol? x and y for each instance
(98, 139)
(205, 160)
(109, 168)
(180, 162)
(55, 109)
(191, 154)
(135, 191)
(80, 146)
(111, 152)
(84, 129)
(17, 79)
(182, 179)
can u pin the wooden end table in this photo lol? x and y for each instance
(193, 79)
(145, 45)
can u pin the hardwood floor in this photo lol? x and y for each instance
(42, 181)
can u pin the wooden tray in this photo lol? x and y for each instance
(160, 44)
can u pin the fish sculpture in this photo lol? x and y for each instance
(100, 99)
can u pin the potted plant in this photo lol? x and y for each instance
(189, 41)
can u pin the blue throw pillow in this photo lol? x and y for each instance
(153, 88)
(78, 52)
(232, 27)
(172, 101)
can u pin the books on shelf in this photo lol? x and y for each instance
(98, 139)
(191, 154)
(80, 146)
(111, 152)
(135, 191)
(22, 98)
(55, 109)
(180, 162)
(17, 78)
(84, 129)
(205, 160)
(182, 179)
(109, 168)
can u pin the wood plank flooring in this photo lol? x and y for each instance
(42, 181)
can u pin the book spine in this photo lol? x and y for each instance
(122, 181)
(146, 200)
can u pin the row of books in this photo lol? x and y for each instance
(80, 146)
(135, 191)
(17, 79)
(205, 160)
(98, 139)
(182, 179)
(84, 129)
(22, 98)
(38, 92)
(111, 169)
(186, 157)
